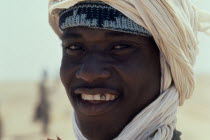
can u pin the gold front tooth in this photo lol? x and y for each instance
(103, 97)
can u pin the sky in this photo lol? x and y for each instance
(28, 45)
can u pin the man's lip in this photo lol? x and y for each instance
(94, 91)
(94, 109)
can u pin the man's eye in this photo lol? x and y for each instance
(73, 50)
(120, 47)
(121, 50)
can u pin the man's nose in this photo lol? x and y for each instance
(92, 71)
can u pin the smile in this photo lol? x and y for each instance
(95, 101)
(98, 97)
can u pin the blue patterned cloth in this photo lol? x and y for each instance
(97, 14)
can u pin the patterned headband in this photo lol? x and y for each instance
(97, 14)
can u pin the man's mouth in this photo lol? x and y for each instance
(95, 101)
(98, 97)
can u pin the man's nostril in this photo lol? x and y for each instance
(91, 76)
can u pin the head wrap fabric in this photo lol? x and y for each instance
(174, 25)
(97, 14)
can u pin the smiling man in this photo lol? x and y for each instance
(107, 75)
(126, 65)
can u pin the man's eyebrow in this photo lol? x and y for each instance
(71, 35)
(117, 34)
(127, 36)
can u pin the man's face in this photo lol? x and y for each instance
(109, 76)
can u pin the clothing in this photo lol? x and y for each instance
(94, 14)
(176, 135)
(174, 25)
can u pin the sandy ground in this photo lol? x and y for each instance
(18, 100)
(194, 116)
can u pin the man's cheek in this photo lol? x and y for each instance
(62, 74)
(65, 75)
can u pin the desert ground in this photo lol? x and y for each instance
(18, 101)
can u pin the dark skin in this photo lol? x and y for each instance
(127, 63)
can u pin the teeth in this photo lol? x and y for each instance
(103, 97)
(98, 97)
(112, 97)
(108, 97)
(87, 97)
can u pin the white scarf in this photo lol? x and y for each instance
(174, 25)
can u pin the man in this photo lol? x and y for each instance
(126, 65)
(42, 111)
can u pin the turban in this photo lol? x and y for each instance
(174, 25)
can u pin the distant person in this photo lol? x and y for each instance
(127, 65)
(42, 112)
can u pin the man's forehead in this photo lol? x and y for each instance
(80, 32)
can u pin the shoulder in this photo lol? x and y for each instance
(176, 135)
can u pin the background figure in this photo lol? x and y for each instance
(42, 111)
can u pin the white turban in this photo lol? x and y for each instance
(174, 25)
